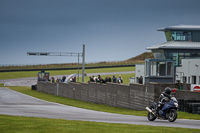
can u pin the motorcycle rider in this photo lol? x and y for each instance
(164, 97)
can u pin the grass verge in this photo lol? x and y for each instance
(44, 125)
(26, 74)
(92, 106)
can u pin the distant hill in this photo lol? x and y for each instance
(138, 59)
(141, 57)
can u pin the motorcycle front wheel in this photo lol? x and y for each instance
(172, 115)
(151, 117)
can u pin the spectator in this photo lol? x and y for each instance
(114, 79)
(141, 80)
(108, 79)
(60, 80)
(74, 79)
(63, 79)
(120, 80)
(99, 79)
(71, 79)
(92, 79)
(52, 80)
(95, 78)
(47, 78)
(57, 80)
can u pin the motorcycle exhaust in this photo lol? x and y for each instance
(148, 109)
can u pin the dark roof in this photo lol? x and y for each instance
(176, 45)
(181, 27)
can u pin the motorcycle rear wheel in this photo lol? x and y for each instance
(172, 116)
(151, 117)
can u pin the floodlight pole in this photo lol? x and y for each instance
(78, 67)
(83, 63)
(64, 54)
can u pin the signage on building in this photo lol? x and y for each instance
(195, 88)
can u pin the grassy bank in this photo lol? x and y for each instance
(26, 74)
(13, 124)
(92, 106)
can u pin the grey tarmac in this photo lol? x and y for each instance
(18, 104)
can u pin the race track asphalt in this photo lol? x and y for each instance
(18, 104)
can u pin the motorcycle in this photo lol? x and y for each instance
(166, 112)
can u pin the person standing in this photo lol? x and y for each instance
(120, 80)
(141, 80)
(114, 79)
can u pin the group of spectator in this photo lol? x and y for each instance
(53, 80)
(98, 79)
(60, 80)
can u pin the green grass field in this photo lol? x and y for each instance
(26, 74)
(37, 125)
(14, 75)
(17, 124)
(32, 125)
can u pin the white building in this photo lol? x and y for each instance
(177, 60)
(189, 71)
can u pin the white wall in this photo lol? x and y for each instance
(139, 71)
(190, 68)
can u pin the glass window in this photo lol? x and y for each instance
(189, 36)
(161, 68)
(181, 56)
(153, 68)
(158, 54)
(199, 79)
(184, 79)
(175, 58)
(169, 68)
(181, 36)
(187, 54)
(193, 79)
(147, 68)
(168, 35)
(194, 54)
(188, 80)
(178, 36)
(169, 55)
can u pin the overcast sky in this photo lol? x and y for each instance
(112, 30)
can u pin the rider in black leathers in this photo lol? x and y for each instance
(164, 97)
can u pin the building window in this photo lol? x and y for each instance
(184, 79)
(180, 56)
(199, 79)
(189, 37)
(193, 79)
(169, 68)
(180, 35)
(153, 68)
(158, 54)
(161, 68)
(147, 68)
(188, 80)
(168, 35)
